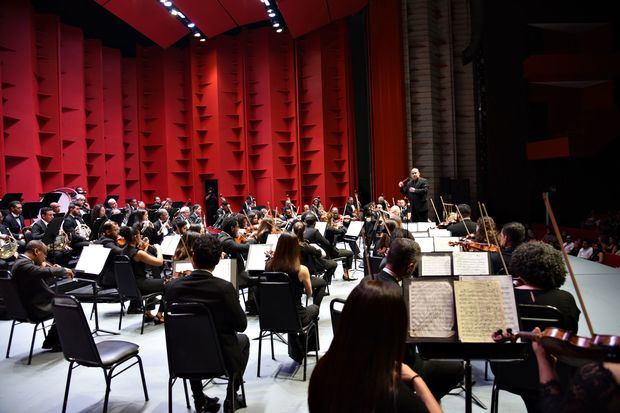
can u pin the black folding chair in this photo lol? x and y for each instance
(17, 312)
(277, 313)
(335, 313)
(530, 317)
(128, 289)
(80, 349)
(194, 350)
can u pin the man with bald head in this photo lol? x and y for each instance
(416, 191)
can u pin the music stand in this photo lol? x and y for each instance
(52, 230)
(353, 233)
(118, 218)
(178, 204)
(50, 197)
(30, 210)
(8, 198)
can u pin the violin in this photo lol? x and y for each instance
(121, 242)
(568, 347)
(468, 245)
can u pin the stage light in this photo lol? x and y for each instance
(174, 12)
(168, 3)
(181, 15)
(276, 24)
(279, 30)
(203, 40)
(272, 15)
(191, 25)
(196, 34)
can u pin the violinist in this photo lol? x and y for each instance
(146, 227)
(162, 226)
(183, 251)
(195, 217)
(465, 225)
(404, 210)
(183, 216)
(350, 209)
(109, 239)
(313, 236)
(541, 272)
(317, 207)
(511, 236)
(381, 201)
(486, 231)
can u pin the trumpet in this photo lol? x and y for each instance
(8, 247)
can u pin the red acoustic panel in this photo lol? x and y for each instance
(245, 11)
(149, 18)
(303, 16)
(209, 15)
(131, 137)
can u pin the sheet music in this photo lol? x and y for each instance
(273, 239)
(92, 259)
(318, 247)
(431, 309)
(426, 244)
(425, 226)
(181, 266)
(442, 244)
(169, 244)
(439, 232)
(423, 234)
(508, 297)
(257, 258)
(440, 264)
(471, 263)
(411, 226)
(227, 271)
(479, 310)
(321, 227)
(355, 227)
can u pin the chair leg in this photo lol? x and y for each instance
(316, 336)
(8, 349)
(92, 311)
(120, 317)
(108, 382)
(245, 403)
(64, 403)
(494, 398)
(146, 393)
(43, 328)
(260, 348)
(143, 311)
(272, 355)
(233, 396)
(486, 370)
(170, 384)
(186, 393)
(34, 335)
(306, 353)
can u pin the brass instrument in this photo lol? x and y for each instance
(8, 247)
(61, 242)
(83, 231)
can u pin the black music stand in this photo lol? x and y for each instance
(353, 235)
(118, 218)
(178, 204)
(30, 210)
(8, 198)
(52, 230)
(50, 197)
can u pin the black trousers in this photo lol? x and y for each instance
(244, 347)
(295, 341)
(347, 264)
(440, 376)
(150, 286)
(319, 286)
(330, 268)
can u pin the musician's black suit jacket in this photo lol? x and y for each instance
(223, 301)
(108, 279)
(349, 210)
(458, 229)
(313, 236)
(31, 287)
(417, 199)
(12, 223)
(38, 230)
(69, 225)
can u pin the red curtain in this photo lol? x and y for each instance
(387, 98)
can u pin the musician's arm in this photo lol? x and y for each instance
(423, 189)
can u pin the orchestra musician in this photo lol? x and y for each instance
(464, 225)
(249, 204)
(381, 201)
(80, 201)
(55, 207)
(70, 225)
(511, 236)
(39, 227)
(183, 216)
(313, 236)
(14, 221)
(196, 215)
(416, 190)
(316, 207)
(109, 239)
(97, 218)
(350, 209)
(4, 236)
(112, 208)
(337, 229)
(162, 226)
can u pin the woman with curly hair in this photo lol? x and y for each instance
(540, 273)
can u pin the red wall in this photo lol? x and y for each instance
(258, 111)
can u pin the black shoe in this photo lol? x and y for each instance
(239, 404)
(134, 310)
(208, 404)
(53, 345)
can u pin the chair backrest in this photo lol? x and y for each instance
(277, 310)
(335, 312)
(536, 315)
(14, 307)
(73, 330)
(125, 280)
(375, 264)
(192, 342)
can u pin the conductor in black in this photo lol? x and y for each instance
(416, 191)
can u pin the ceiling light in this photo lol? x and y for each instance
(279, 30)
(203, 40)
(196, 34)
(168, 3)
(191, 25)
(266, 2)
(181, 15)
(272, 15)
(276, 24)
(173, 12)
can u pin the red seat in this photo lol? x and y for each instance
(612, 260)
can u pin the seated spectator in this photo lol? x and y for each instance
(287, 259)
(383, 383)
(586, 250)
(597, 253)
(223, 301)
(569, 245)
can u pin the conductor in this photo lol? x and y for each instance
(416, 190)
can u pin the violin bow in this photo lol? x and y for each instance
(435, 209)
(501, 256)
(445, 211)
(558, 235)
(462, 220)
(484, 223)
